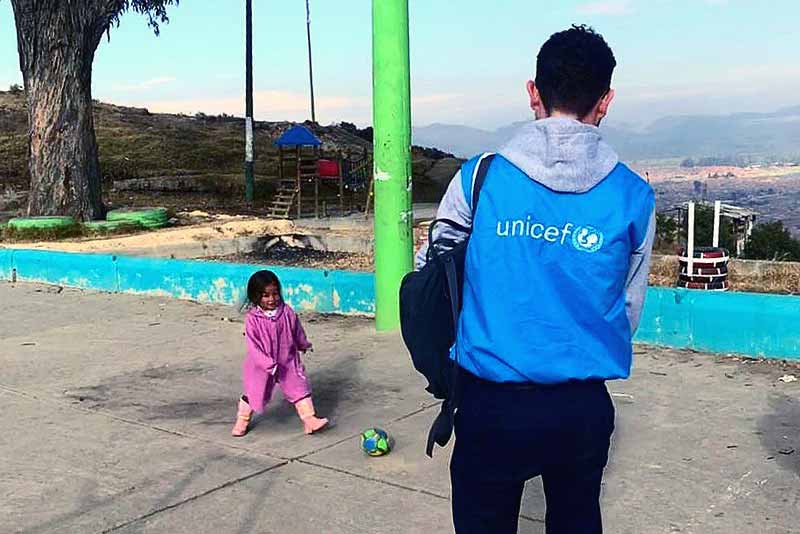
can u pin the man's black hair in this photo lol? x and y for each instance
(573, 70)
(258, 282)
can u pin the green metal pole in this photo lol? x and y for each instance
(394, 240)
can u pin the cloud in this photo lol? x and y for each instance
(626, 7)
(144, 85)
(721, 82)
(607, 7)
(764, 72)
(276, 105)
(9, 78)
(267, 105)
(744, 88)
(435, 99)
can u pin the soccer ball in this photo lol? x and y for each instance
(375, 442)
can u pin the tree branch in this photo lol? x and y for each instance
(25, 20)
(154, 10)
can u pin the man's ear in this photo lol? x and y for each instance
(604, 104)
(536, 100)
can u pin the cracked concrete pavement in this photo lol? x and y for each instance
(117, 411)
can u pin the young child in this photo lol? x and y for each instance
(275, 339)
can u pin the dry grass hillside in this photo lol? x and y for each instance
(202, 154)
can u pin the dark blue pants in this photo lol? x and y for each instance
(506, 435)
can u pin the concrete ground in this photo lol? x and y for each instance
(116, 413)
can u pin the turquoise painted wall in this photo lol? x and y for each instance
(750, 324)
(5, 263)
(86, 271)
(203, 281)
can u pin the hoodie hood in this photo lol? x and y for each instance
(562, 154)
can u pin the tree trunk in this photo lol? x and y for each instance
(56, 41)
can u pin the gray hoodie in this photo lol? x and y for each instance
(566, 156)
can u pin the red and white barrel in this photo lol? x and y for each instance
(706, 270)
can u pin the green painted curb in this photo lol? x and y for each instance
(41, 223)
(147, 217)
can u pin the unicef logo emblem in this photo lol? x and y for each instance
(587, 239)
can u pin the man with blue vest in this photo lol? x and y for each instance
(555, 278)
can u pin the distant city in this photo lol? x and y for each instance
(746, 159)
(774, 192)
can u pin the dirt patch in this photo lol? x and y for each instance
(285, 255)
(230, 204)
(222, 227)
(290, 255)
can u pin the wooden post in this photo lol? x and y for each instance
(318, 154)
(316, 194)
(370, 190)
(717, 210)
(341, 195)
(299, 184)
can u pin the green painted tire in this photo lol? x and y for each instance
(111, 226)
(147, 217)
(41, 223)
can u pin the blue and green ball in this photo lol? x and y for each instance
(375, 442)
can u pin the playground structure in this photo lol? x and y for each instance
(704, 267)
(390, 180)
(742, 220)
(312, 185)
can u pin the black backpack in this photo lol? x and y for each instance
(430, 303)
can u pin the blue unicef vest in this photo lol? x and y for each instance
(544, 289)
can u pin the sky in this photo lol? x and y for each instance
(470, 59)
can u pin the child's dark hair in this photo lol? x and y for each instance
(573, 70)
(257, 283)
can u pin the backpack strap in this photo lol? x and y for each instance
(479, 173)
(481, 170)
(479, 177)
(442, 427)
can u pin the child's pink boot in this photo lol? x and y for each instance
(311, 423)
(242, 418)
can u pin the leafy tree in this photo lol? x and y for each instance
(704, 229)
(666, 233)
(772, 241)
(56, 41)
(365, 133)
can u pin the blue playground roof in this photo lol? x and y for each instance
(298, 136)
